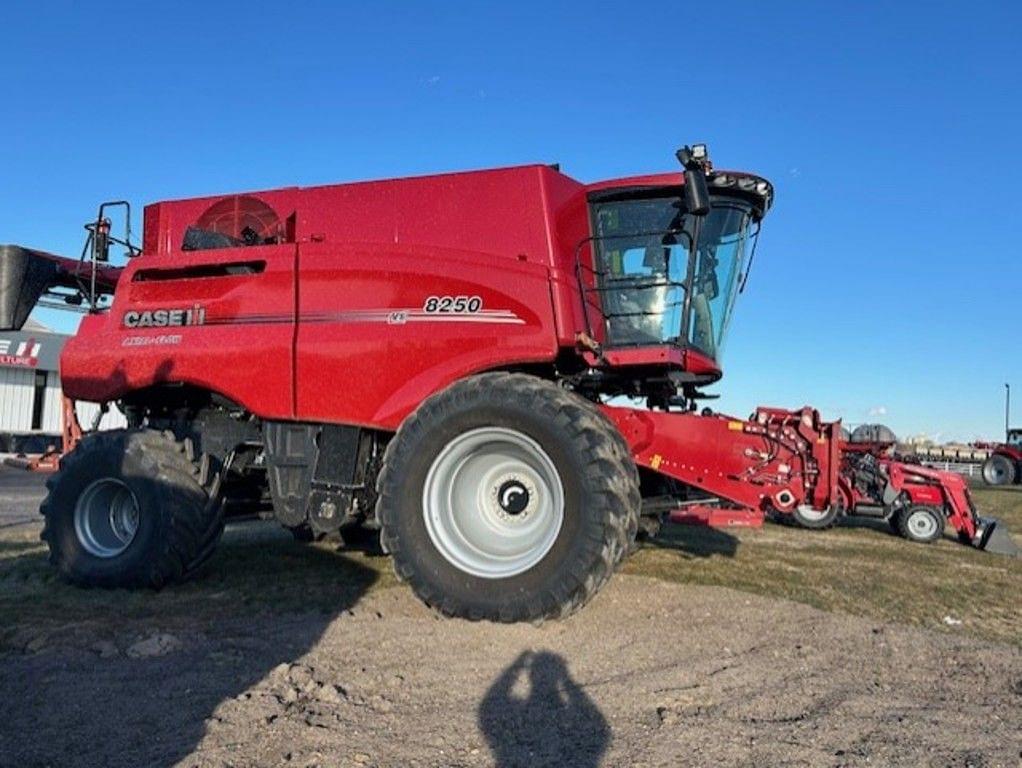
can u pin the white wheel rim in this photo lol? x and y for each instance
(921, 525)
(106, 517)
(812, 515)
(493, 502)
(995, 473)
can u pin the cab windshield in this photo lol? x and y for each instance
(653, 289)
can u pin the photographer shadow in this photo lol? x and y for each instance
(535, 714)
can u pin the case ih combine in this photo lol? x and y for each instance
(437, 357)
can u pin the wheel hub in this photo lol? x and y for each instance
(106, 517)
(515, 497)
(493, 502)
(921, 525)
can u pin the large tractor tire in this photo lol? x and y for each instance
(507, 498)
(921, 524)
(131, 508)
(999, 470)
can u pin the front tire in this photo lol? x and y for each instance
(128, 508)
(507, 498)
(921, 524)
(999, 470)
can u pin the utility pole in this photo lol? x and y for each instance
(1007, 410)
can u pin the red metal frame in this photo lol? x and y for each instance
(71, 434)
(775, 461)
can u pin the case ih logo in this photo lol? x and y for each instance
(26, 354)
(165, 318)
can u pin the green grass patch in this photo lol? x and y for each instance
(860, 569)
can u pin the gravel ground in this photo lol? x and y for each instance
(20, 494)
(651, 673)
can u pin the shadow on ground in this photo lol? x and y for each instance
(694, 540)
(133, 678)
(535, 714)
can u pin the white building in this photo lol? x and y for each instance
(30, 396)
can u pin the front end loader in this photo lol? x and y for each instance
(440, 359)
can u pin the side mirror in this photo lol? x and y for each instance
(696, 192)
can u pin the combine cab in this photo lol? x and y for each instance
(434, 358)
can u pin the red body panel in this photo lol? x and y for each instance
(1012, 452)
(247, 361)
(369, 354)
(332, 327)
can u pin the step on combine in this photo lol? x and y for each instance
(440, 359)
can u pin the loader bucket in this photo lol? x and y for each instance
(994, 537)
(23, 278)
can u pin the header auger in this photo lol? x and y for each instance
(435, 358)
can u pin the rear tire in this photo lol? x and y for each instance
(921, 524)
(128, 508)
(535, 525)
(999, 470)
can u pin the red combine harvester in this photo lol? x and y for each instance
(435, 357)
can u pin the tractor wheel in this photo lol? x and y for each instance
(999, 470)
(816, 519)
(507, 498)
(921, 524)
(130, 509)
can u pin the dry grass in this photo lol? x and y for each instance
(858, 569)
(861, 570)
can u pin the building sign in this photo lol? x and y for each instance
(20, 354)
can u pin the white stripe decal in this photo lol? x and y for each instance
(402, 316)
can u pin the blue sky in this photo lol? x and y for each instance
(888, 279)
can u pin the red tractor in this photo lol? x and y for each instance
(434, 357)
(917, 502)
(1004, 465)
